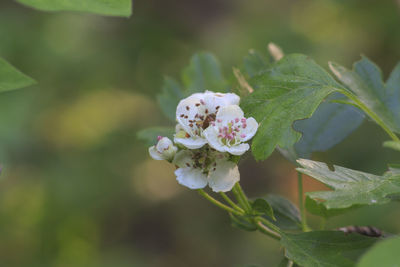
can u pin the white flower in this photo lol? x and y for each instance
(197, 168)
(196, 112)
(230, 130)
(163, 150)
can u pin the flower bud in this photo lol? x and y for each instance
(163, 150)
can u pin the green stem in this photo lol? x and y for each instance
(263, 225)
(304, 225)
(265, 230)
(217, 203)
(370, 113)
(227, 199)
(268, 224)
(241, 197)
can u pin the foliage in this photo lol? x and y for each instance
(290, 90)
(365, 81)
(203, 73)
(325, 248)
(384, 253)
(351, 188)
(301, 109)
(121, 8)
(11, 78)
(286, 213)
(295, 96)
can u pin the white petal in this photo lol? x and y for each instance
(250, 130)
(238, 149)
(211, 134)
(229, 113)
(164, 144)
(224, 99)
(155, 154)
(191, 142)
(190, 177)
(213, 100)
(232, 99)
(182, 158)
(186, 111)
(225, 176)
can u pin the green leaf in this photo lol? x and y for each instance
(317, 207)
(261, 207)
(365, 81)
(384, 253)
(325, 248)
(169, 98)
(242, 223)
(328, 126)
(121, 8)
(392, 144)
(286, 213)
(203, 73)
(11, 78)
(350, 188)
(254, 63)
(288, 91)
(150, 135)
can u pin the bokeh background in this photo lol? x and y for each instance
(79, 189)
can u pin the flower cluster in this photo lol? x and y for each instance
(211, 130)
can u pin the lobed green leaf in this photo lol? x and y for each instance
(290, 90)
(350, 188)
(365, 81)
(325, 248)
(329, 125)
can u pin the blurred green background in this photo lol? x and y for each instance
(78, 188)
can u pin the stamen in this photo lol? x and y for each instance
(187, 108)
(197, 104)
(182, 115)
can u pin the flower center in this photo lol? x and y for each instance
(230, 133)
(204, 159)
